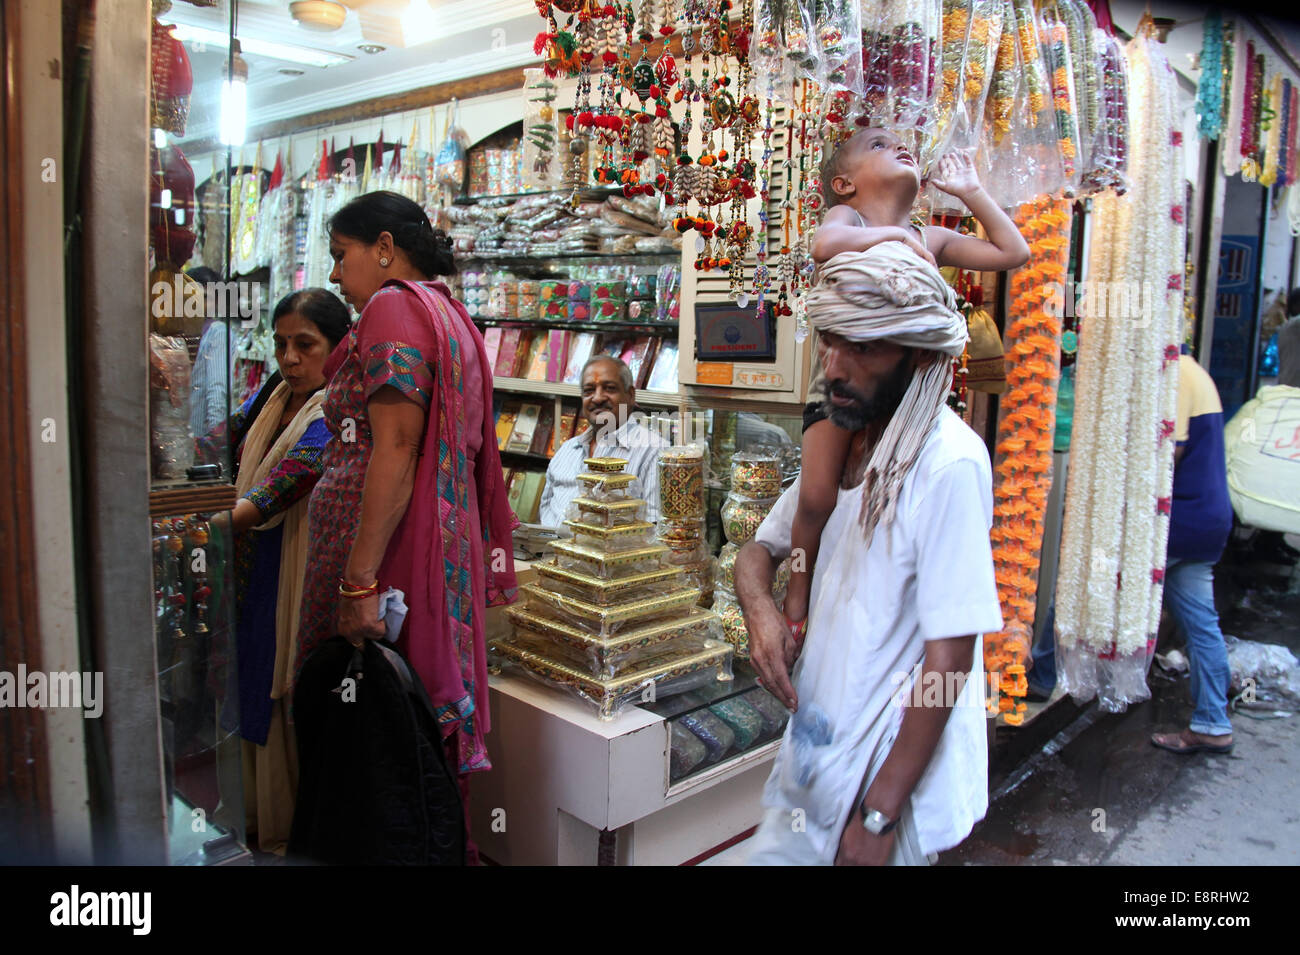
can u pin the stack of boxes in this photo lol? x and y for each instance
(610, 618)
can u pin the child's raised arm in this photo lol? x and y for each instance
(1005, 247)
(842, 231)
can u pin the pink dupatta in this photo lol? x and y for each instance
(456, 560)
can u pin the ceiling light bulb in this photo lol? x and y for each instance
(234, 99)
(419, 23)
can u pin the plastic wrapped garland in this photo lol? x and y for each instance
(987, 18)
(449, 163)
(1026, 161)
(170, 440)
(1290, 139)
(542, 169)
(787, 45)
(1026, 429)
(1001, 99)
(838, 28)
(1037, 88)
(954, 30)
(1081, 27)
(1110, 140)
(900, 63)
(967, 125)
(1060, 73)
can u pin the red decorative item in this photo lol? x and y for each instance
(173, 81)
(172, 207)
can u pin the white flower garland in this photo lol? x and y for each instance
(1110, 581)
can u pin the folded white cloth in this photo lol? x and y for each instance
(392, 610)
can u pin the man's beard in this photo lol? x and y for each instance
(889, 395)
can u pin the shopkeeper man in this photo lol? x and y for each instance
(885, 760)
(612, 431)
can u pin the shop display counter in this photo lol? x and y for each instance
(663, 783)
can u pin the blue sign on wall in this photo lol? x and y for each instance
(1234, 320)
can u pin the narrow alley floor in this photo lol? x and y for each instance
(1098, 793)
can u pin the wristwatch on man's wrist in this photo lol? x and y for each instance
(875, 821)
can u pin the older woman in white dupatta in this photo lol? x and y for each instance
(280, 453)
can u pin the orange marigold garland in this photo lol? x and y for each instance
(1023, 454)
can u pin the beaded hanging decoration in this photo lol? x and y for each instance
(1209, 91)
(1289, 137)
(1271, 126)
(1249, 116)
(762, 272)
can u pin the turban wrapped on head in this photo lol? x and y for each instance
(890, 293)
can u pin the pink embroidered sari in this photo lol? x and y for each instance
(416, 338)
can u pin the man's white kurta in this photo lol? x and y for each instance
(926, 576)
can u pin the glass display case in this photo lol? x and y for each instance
(192, 321)
(716, 724)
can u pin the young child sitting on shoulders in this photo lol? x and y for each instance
(870, 183)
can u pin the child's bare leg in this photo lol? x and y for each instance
(825, 448)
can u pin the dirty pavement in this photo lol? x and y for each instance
(1084, 787)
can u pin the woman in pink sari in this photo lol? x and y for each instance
(412, 496)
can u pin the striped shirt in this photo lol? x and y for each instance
(635, 442)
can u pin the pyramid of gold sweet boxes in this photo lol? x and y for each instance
(609, 618)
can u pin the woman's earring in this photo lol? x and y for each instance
(383, 262)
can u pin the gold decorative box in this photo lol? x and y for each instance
(607, 480)
(621, 536)
(608, 590)
(606, 465)
(608, 620)
(610, 513)
(611, 693)
(607, 656)
(608, 563)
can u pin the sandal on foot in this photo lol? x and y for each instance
(1185, 745)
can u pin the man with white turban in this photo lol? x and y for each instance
(885, 758)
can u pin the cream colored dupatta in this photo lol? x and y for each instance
(258, 462)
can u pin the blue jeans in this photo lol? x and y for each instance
(1189, 594)
(1042, 677)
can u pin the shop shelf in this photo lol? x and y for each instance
(643, 395)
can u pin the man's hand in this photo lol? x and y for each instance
(772, 651)
(859, 847)
(771, 646)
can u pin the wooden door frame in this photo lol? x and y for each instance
(25, 808)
